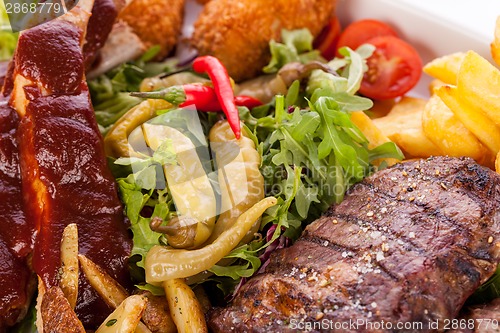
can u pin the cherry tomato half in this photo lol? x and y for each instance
(326, 42)
(394, 68)
(361, 31)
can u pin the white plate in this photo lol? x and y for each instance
(434, 27)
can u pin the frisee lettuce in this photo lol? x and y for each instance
(145, 188)
(297, 46)
(110, 91)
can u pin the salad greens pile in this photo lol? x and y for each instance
(311, 154)
(110, 91)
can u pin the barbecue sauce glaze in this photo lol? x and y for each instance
(63, 165)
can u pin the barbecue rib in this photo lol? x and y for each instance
(408, 244)
(16, 280)
(104, 13)
(64, 171)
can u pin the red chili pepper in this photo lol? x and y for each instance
(200, 96)
(223, 89)
(249, 102)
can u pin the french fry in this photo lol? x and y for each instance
(69, 263)
(372, 133)
(479, 84)
(495, 46)
(126, 316)
(114, 294)
(435, 84)
(108, 288)
(446, 131)
(445, 68)
(472, 118)
(184, 307)
(403, 125)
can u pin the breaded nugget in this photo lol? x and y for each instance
(238, 31)
(156, 22)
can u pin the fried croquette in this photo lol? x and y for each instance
(238, 32)
(156, 22)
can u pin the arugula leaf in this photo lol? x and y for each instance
(311, 154)
(351, 70)
(250, 265)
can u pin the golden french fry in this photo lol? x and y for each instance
(69, 263)
(472, 117)
(446, 131)
(445, 68)
(184, 307)
(435, 84)
(495, 46)
(372, 133)
(113, 293)
(403, 125)
(479, 84)
(497, 163)
(108, 288)
(126, 316)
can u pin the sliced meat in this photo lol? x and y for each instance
(407, 245)
(104, 13)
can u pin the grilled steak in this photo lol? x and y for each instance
(402, 252)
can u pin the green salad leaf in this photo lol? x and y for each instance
(145, 187)
(297, 46)
(311, 154)
(110, 91)
(8, 39)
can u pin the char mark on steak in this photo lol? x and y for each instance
(409, 244)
